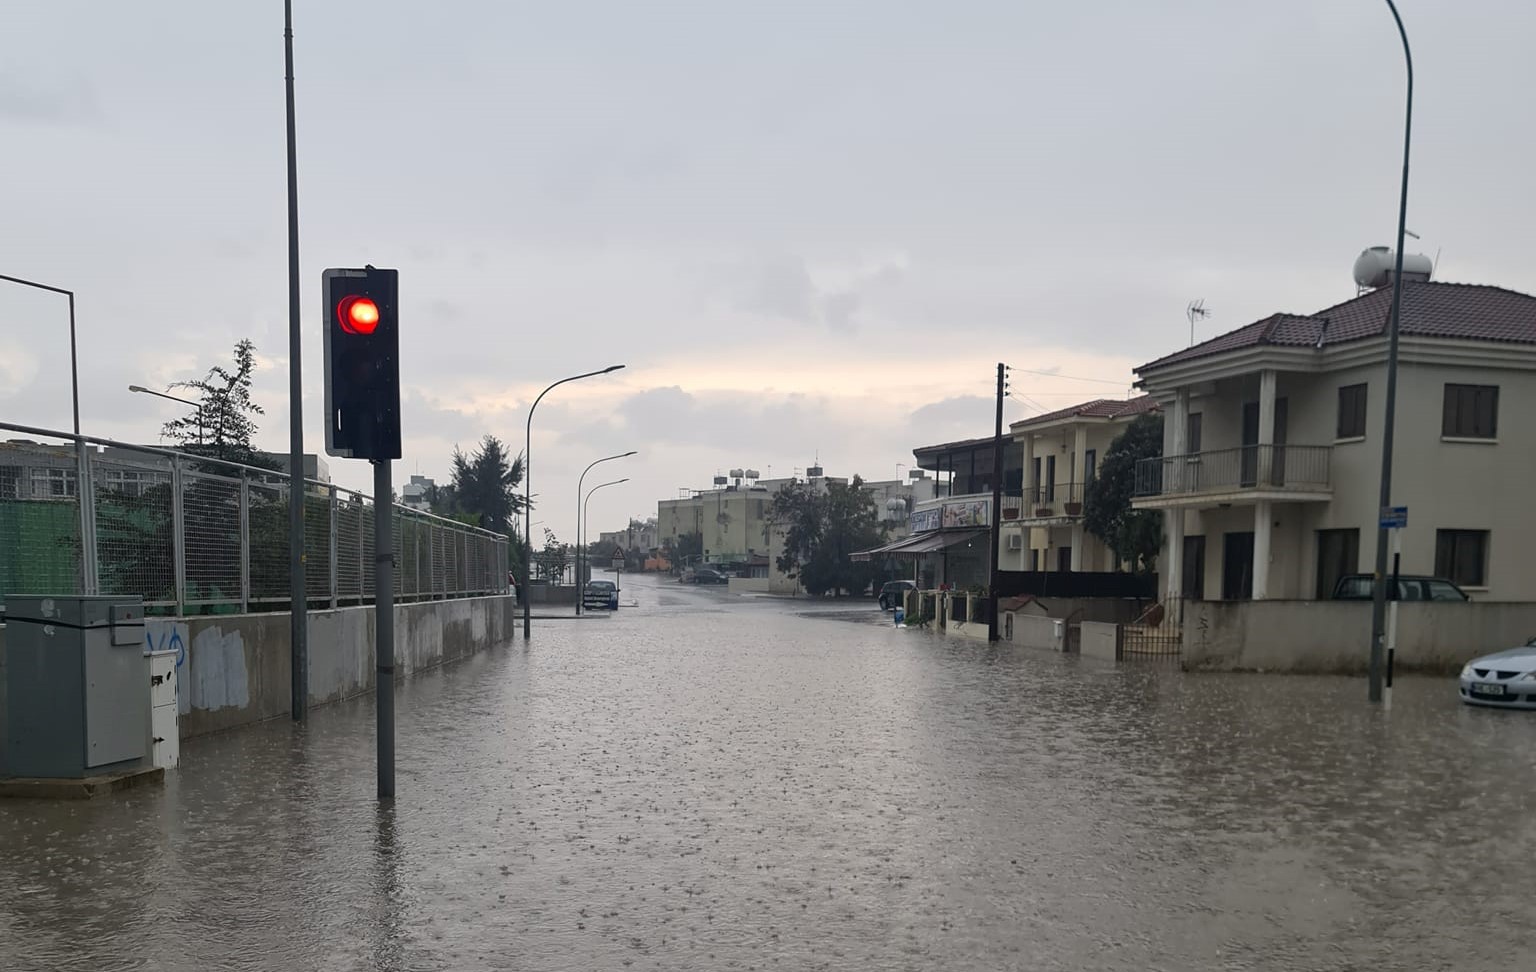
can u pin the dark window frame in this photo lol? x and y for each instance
(1461, 557)
(1352, 411)
(1194, 429)
(1470, 411)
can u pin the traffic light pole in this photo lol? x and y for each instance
(384, 622)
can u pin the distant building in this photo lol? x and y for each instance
(640, 537)
(417, 494)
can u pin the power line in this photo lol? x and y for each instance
(1052, 374)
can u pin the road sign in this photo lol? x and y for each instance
(1394, 517)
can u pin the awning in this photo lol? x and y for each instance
(923, 543)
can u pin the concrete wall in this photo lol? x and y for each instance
(1334, 636)
(235, 668)
(1101, 641)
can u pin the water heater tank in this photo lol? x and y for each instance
(1373, 267)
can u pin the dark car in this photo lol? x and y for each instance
(893, 594)
(601, 594)
(708, 575)
(1410, 587)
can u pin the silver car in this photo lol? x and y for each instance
(1506, 679)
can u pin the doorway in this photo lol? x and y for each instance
(1250, 457)
(1194, 568)
(1237, 566)
(1338, 553)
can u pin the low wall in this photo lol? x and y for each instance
(1034, 631)
(968, 629)
(1110, 610)
(749, 585)
(1100, 640)
(234, 669)
(1334, 636)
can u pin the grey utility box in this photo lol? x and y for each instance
(76, 673)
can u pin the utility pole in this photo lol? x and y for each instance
(298, 602)
(996, 516)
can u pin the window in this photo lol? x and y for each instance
(52, 483)
(1351, 412)
(1471, 412)
(1064, 559)
(1034, 560)
(1194, 568)
(1090, 464)
(1338, 556)
(1034, 476)
(1192, 432)
(1461, 557)
(1050, 478)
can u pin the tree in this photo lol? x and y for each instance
(822, 530)
(684, 548)
(554, 558)
(1134, 535)
(223, 426)
(484, 486)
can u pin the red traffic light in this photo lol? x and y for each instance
(357, 315)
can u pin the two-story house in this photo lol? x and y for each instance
(1270, 474)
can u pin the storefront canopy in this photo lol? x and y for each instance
(917, 546)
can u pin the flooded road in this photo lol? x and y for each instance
(708, 782)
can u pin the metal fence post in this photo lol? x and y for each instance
(245, 542)
(85, 499)
(178, 538)
(431, 575)
(335, 575)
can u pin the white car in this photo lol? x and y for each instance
(1506, 679)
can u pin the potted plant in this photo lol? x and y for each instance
(1042, 511)
(1074, 509)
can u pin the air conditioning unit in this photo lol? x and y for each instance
(1015, 541)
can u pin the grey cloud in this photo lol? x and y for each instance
(28, 101)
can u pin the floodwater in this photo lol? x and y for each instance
(710, 782)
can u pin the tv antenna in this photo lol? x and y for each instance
(1195, 311)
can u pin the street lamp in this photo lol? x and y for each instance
(197, 405)
(581, 524)
(1379, 592)
(528, 485)
(584, 515)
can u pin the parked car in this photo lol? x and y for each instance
(893, 594)
(1506, 679)
(1358, 587)
(708, 575)
(600, 594)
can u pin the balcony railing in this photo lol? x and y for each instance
(1295, 468)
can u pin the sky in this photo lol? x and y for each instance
(809, 230)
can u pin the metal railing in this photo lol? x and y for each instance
(1059, 499)
(196, 535)
(1300, 468)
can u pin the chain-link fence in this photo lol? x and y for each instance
(193, 535)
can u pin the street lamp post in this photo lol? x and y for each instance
(528, 486)
(1379, 588)
(83, 493)
(584, 511)
(185, 401)
(581, 521)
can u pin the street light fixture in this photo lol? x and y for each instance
(581, 522)
(584, 516)
(185, 401)
(528, 486)
(1379, 592)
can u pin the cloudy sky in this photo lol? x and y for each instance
(809, 229)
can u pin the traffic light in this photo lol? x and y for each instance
(362, 363)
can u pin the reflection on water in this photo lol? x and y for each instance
(706, 782)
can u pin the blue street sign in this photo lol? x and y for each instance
(1394, 517)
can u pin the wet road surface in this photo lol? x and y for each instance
(714, 782)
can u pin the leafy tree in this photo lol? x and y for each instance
(1134, 535)
(223, 426)
(484, 487)
(554, 558)
(822, 530)
(684, 549)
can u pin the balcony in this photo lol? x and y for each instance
(1059, 503)
(1296, 473)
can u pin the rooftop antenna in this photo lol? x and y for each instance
(1195, 311)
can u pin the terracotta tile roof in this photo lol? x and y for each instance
(1470, 312)
(1109, 408)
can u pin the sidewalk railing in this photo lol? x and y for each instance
(196, 535)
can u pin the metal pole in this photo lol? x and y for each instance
(1379, 594)
(997, 505)
(298, 602)
(528, 491)
(587, 500)
(581, 528)
(384, 625)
